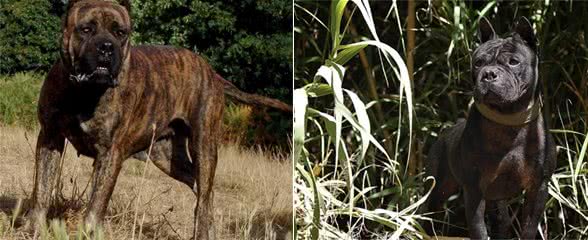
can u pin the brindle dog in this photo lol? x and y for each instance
(110, 99)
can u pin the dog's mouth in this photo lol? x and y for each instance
(101, 71)
(489, 98)
(496, 101)
(103, 68)
(100, 75)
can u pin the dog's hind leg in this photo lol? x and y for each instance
(206, 123)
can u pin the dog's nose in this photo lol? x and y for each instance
(489, 76)
(106, 48)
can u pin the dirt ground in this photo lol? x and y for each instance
(253, 194)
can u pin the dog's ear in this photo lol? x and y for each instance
(70, 4)
(525, 30)
(127, 4)
(485, 30)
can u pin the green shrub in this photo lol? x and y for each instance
(247, 42)
(29, 35)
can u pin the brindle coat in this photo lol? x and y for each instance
(160, 92)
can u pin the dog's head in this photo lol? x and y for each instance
(95, 41)
(505, 69)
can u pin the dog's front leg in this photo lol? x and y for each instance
(106, 169)
(49, 149)
(475, 206)
(499, 219)
(533, 208)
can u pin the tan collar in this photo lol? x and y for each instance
(512, 119)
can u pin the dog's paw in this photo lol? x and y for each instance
(34, 223)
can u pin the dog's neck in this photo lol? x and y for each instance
(512, 119)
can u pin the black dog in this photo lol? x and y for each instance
(503, 147)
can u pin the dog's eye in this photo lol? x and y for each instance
(121, 33)
(513, 62)
(478, 63)
(86, 30)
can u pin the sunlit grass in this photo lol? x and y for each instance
(253, 196)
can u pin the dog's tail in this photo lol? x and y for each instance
(251, 99)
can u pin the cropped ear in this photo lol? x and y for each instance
(525, 30)
(70, 4)
(66, 33)
(485, 30)
(127, 4)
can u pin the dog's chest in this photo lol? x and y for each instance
(506, 179)
(87, 118)
(90, 133)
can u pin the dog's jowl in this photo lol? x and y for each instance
(110, 99)
(503, 148)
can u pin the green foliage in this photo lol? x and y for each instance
(248, 42)
(442, 87)
(29, 35)
(333, 133)
(18, 98)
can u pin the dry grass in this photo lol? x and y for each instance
(253, 196)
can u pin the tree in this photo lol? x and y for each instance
(247, 42)
(29, 35)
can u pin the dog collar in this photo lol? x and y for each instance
(512, 119)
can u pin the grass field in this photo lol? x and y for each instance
(253, 194)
